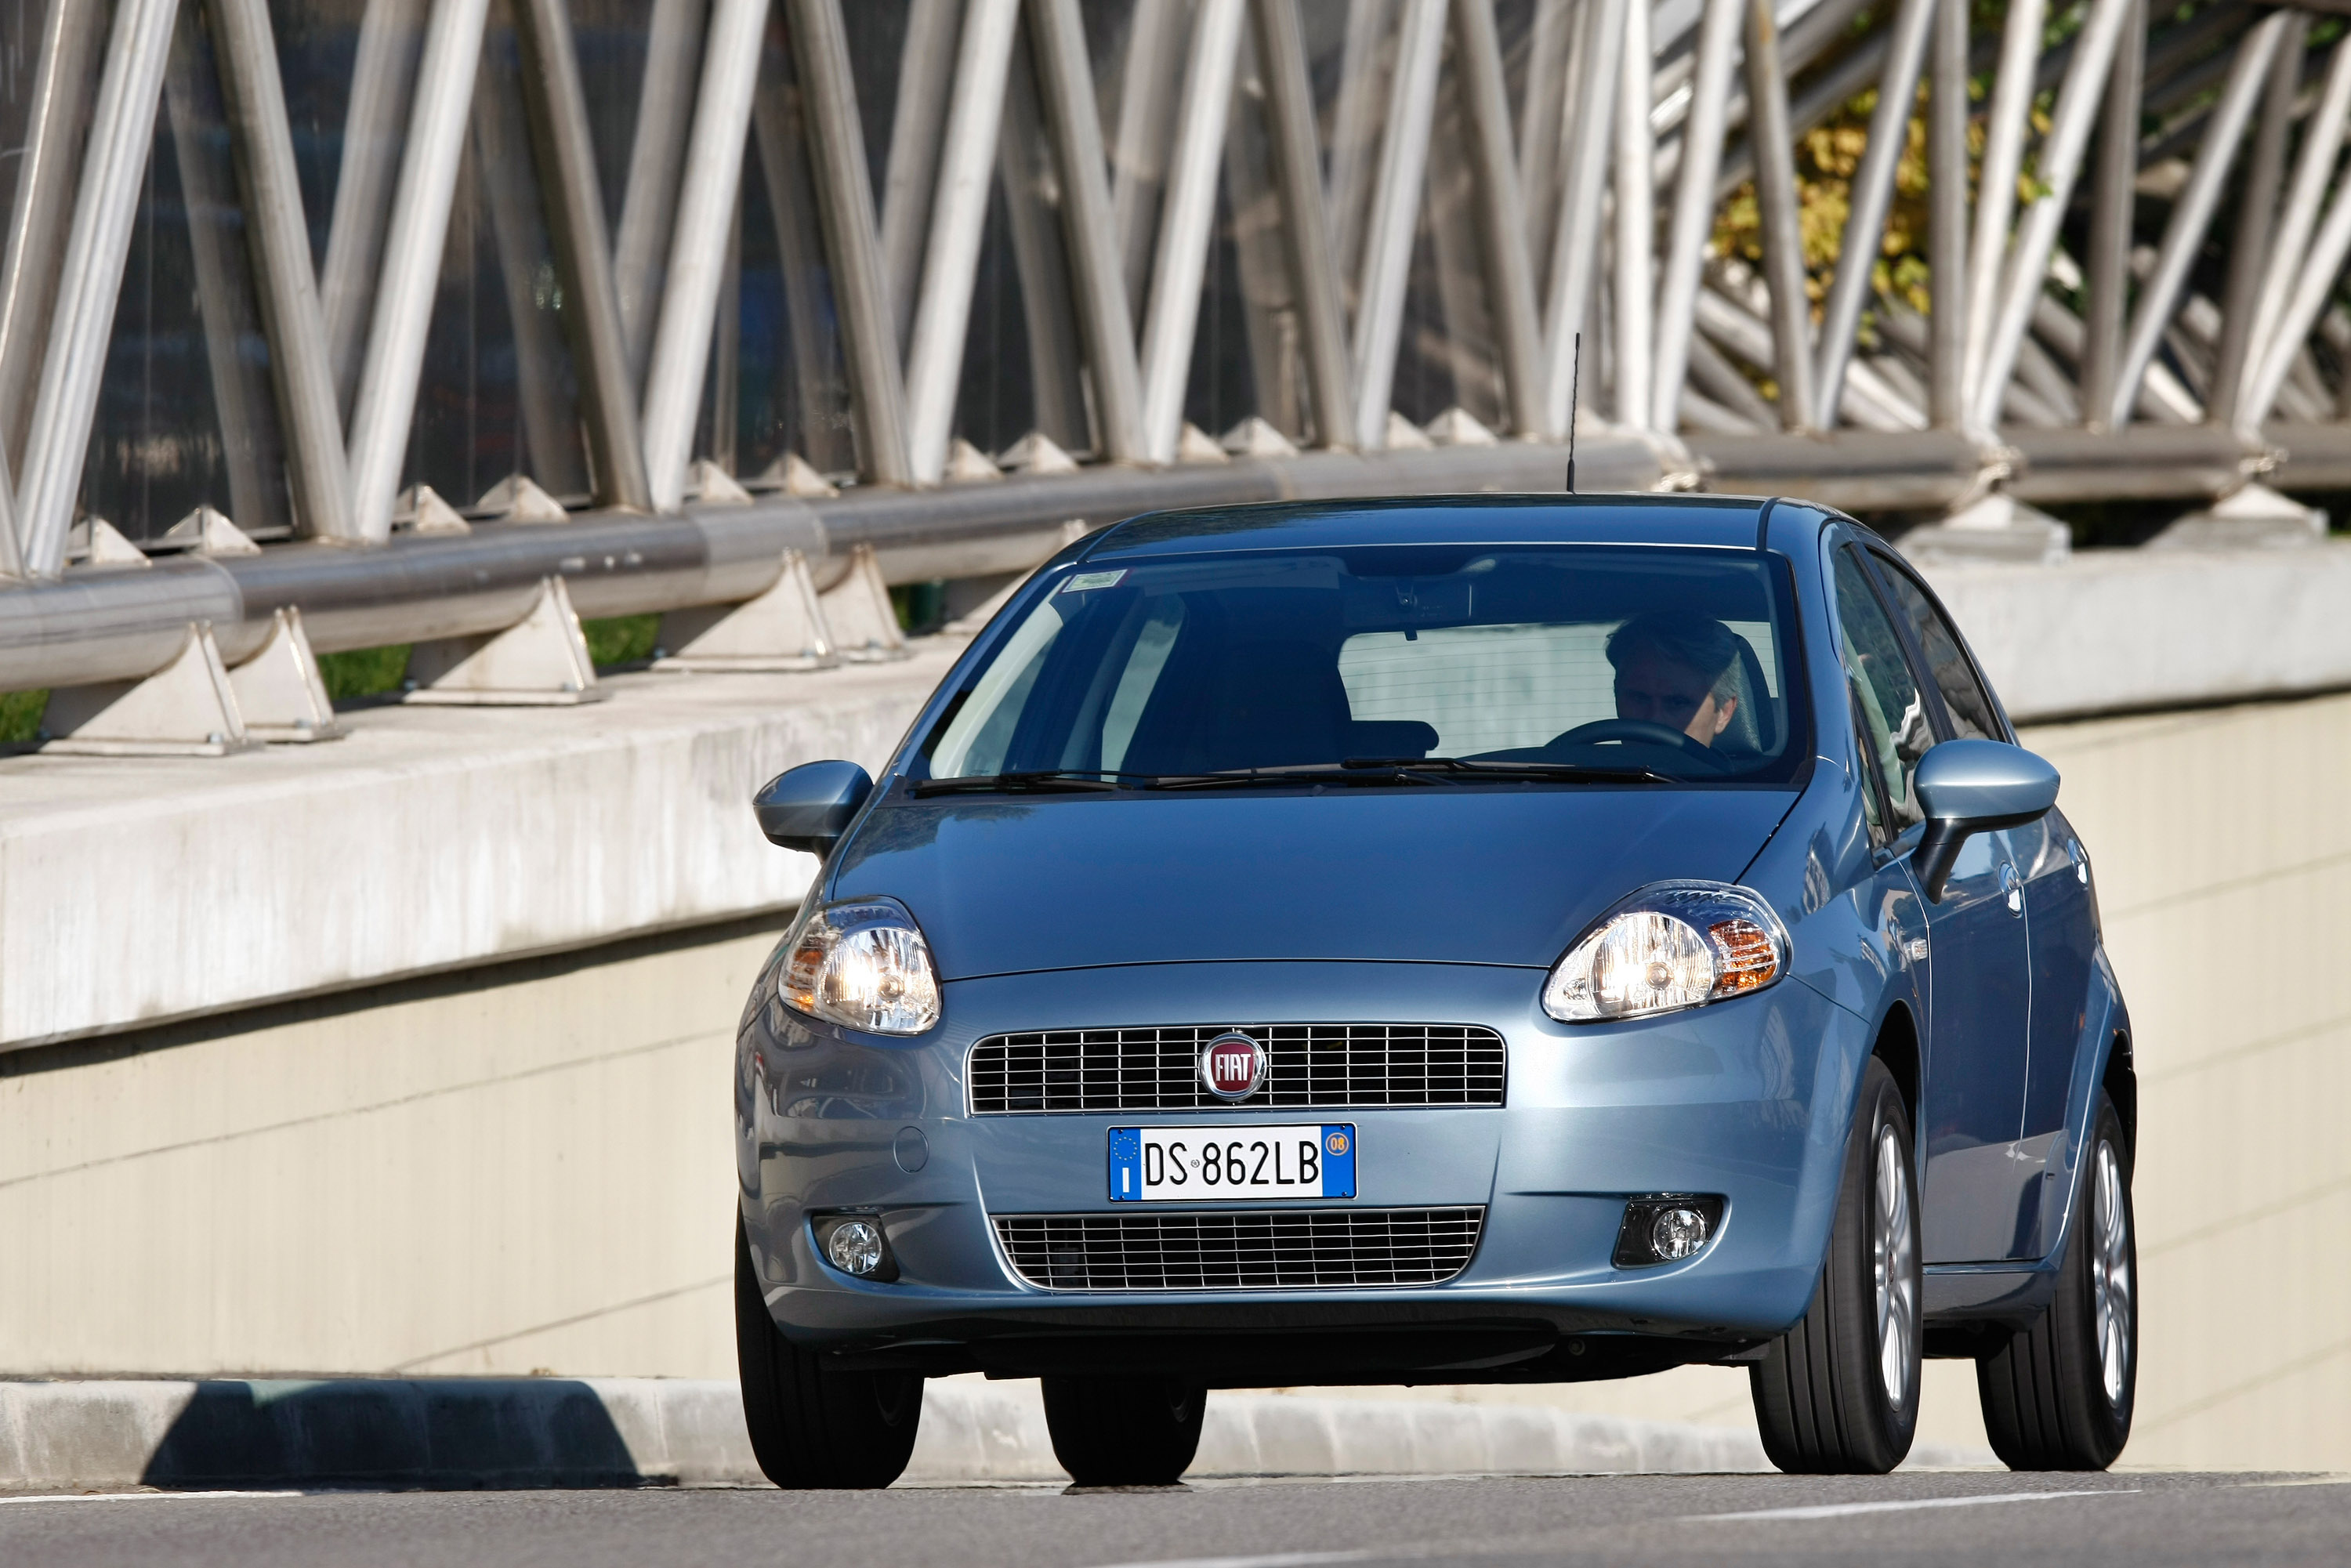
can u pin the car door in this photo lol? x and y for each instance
(1982, 1181)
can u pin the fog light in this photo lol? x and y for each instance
(1667, 1228)
(854, 1245)
(1676, 1232)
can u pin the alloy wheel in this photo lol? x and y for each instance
(2113, 1291)
(1894, 1243)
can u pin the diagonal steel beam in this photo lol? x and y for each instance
(2322, 139)
(860, 290)
(557, 108)
(2192, 209)
(1501, 218)
(48, 167)
(317, 472)
(1186, 223)
(1550, 50)
(674, 44)
(1028, 177)
(959, 218)
(2003, 159)
(500, 184)
(1146, 135)
(121, 123)
(2061, 163)
(925, 76)
(705, 211)
(384, 82)
(1872, 197)
(1298, 173)
(1783, 236)
(1395, 216)
(385, 401)
(252, 450)
(1947, 192)
(1367, 64)
(1636, 223)
(1575, 250)
(1105, 319)
(2257, 201)
(1693, 222)
(2114, 201)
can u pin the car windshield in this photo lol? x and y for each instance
(1385, 666)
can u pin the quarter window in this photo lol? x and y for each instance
(1892, 712)
(1973, 717)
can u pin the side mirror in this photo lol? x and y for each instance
(809, 807)
(1974, 787)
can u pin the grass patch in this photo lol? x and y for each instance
(372, 672)
(20, 716)
(623, 639)
(363, 672)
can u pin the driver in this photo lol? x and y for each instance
(1677, 670)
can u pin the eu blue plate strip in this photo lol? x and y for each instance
(1338, 1161)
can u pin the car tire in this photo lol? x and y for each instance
(1838, 1394)
(2057, 1395)
(1124, 1431)
(812, 1428)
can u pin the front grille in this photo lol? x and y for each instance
(1253, 1249)
(1312, 1064)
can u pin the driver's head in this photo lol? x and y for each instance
(1677, 670)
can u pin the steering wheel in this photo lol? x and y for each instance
(1638, 731)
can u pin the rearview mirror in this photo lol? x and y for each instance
(809, 807)
(1974, 787)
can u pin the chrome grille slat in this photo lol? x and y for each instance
(1327, 1066)
(1241, 1250)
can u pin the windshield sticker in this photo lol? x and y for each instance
(1086, 580)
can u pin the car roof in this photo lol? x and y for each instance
(1622, 519)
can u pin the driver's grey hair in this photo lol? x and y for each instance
(1693, 642)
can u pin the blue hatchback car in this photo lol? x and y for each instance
(1514, 939)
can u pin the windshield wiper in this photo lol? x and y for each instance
(1041, 780)
(1360, 770)
(1355, 770)
(1460, 766)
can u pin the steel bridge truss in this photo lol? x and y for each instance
(2134, 244)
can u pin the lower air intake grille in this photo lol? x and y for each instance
(1253, 1249)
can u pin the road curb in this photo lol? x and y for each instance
(469, 1433)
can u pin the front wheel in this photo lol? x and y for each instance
(2057, 1395)
(812, 1427)
(1124, 1431)
(1838, 1394)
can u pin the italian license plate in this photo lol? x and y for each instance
(1196, 1165)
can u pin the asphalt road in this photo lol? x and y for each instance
(2139, 1519)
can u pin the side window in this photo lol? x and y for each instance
(1973, 717)
(1892, 712)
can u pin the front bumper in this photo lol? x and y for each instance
(1749, 1099)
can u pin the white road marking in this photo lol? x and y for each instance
(1268, 1559)
(1841, 1510)
(139, 1496)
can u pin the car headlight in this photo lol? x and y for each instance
(1672, 944)
(862, 964)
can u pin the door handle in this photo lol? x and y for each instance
(2011, 887)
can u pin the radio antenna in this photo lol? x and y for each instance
(1574, 381)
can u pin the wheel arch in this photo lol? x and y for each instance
(2120, 1081)
(1898, 1047)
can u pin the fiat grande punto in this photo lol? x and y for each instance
(1484, 940)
